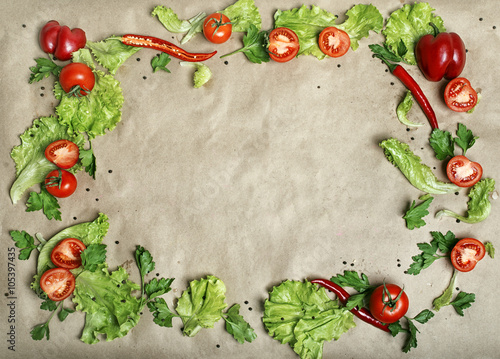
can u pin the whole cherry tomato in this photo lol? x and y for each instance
(217, 28)
(440, 55)
(388, 303)
(60, 183)
(77, 79)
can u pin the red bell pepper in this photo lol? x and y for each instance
(61, 41)
(440, 55)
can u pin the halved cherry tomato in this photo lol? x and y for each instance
(67, 253)
(217, 28)
(283, 44)
(58, 283)
(63, 153)
(462, 172)
(77, 79)
(388, 303)
(459, 95)
(334, 42)
(466, 253)
(60, 183)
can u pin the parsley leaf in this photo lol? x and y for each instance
(353, 280)
(157, 287)
(442, 143)
(411, 342)
(415, 213)
(162, 314)
(254, 46)
(429, 251)
(465, 139)
(63, 313)
(49, 305)
(40, 331)
(44, 68)
(88, 161)
(93, 256)
(145, 263)
(463, 301)
(237, 326)
(160, 62)
(490, 249)
(44, 201)
(24, 242)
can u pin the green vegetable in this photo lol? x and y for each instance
(308, 23)
(408, 25)
(161, 312)
(88, 161)
(111, 53)
(41, 331)
(201, 75)
(359, 283)
(254, 48)
(237, 326)
(201, 305)
(490, 249)
(415, 213)
(419, 175)
(44, 68)
(465, 139)
(404, 108)
(171, 21)
(443, 142)
(29, 157)
(478, 207)
(302, 315)
(462, 301)
(442, 242)
(160, 62)
(93, 256)
(44, 201)
(411, 342)
(24, 242)
(243, 14)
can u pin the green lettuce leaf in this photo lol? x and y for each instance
(404, 108)
(478, 207)
(308, 23)
(419, 175)
(201, 305)
(95, 113)
(29, 157)
(111, 53)
(242, 14)
(171, 21)
(106, 298)
(409, 24)
(202, 73)
(302, 315)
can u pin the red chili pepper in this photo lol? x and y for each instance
(362, 313)
(411, 84)
(164, 46)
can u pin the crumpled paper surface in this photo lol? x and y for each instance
(269, 172)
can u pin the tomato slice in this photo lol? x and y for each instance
(462, 172)
(58, 283)
(466, 253)
(283, 44)
(459, 95)
(334, 42)
(67, 253)
(63, 153)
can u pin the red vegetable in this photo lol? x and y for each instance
(462, 172)
(459, 95)
(388, 303)
(217, 28)
(67, 253)
(362, 313)
(77, 79)
(60, 183)
(415, 89)
(57, 283)
(63, 153)
(283, 44)
(440, 55)
(334, 42)
(61, 41)
(466, 253)
(164, 46)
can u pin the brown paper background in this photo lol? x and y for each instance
(269, 172)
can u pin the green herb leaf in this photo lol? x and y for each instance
(254, 48)
(442, 143)
(49, 305)
(24, 242)
(415, 213)
(93, 256)
(162, 314)
(411, 341)
(429, 251)
(237, 326)
(144, 261)
(44, 68)
(88, 161)
(46, 202)
(490, 249)
(354, 280)
(465, 139)
(40, 331)
(63, 313)
(160, 62)
(445, 242)
(463, 301)
(155, 287)
(424, 316)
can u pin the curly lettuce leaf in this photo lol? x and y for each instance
(409, 24)
(111, 53)
(95, 113)
(106, 298)
(404, 108)
(419, 175)
(201, 305)
(29, 157)
(478, 207)
(302, 315)
(308, 23)
(242, 14)
(202, 73)
(171, 21)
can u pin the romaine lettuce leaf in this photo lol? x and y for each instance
(419, 175)
(201, 305)
(409, 24)
(31, 164)
(95, 113)
(404, 108)
(302, 315)
(479, 206)
(106, 298)
(111, 53)
(171, 21)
